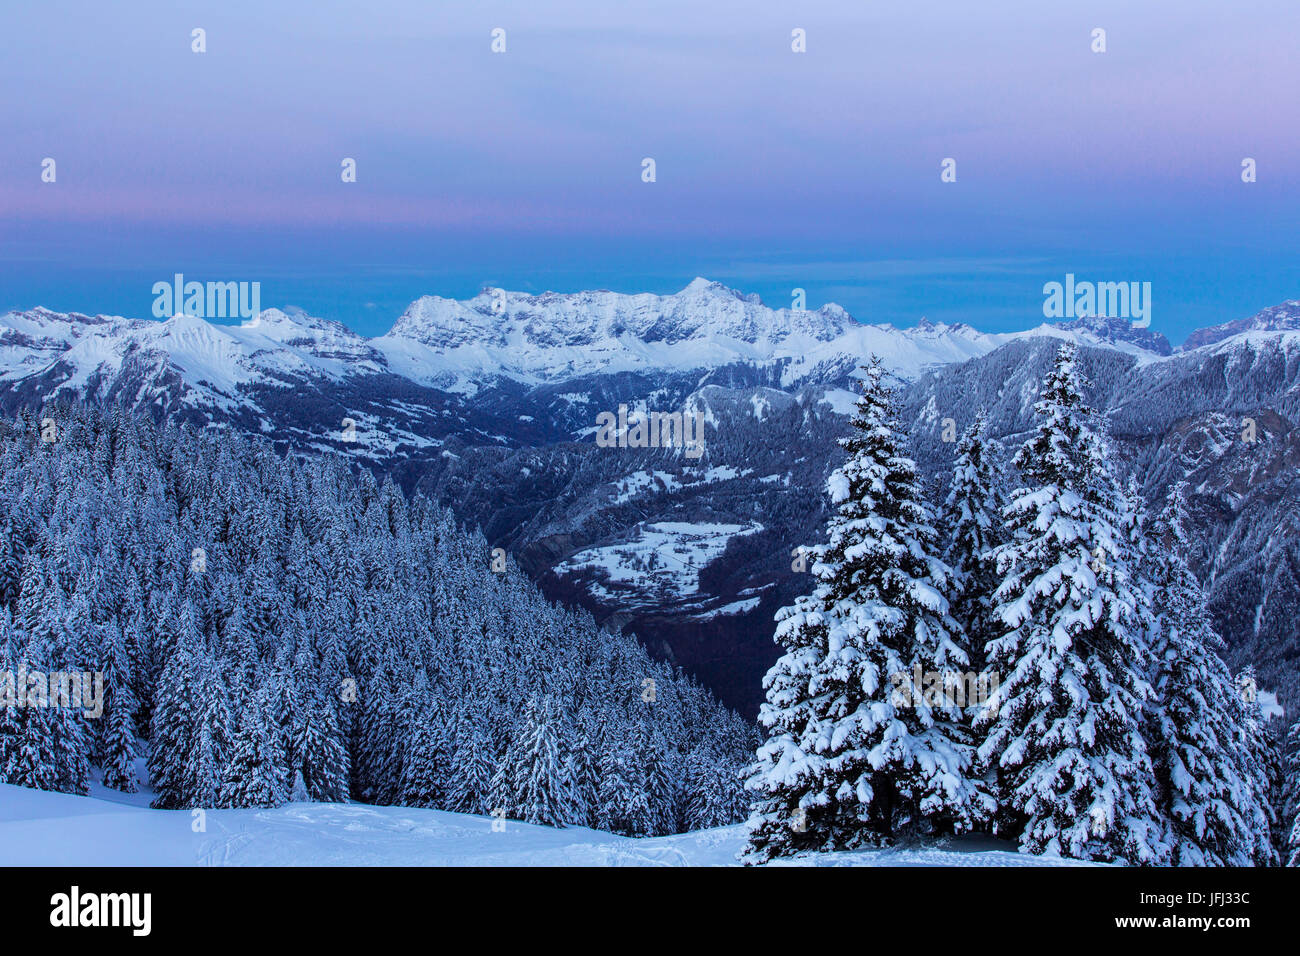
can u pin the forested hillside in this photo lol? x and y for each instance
(269, 628)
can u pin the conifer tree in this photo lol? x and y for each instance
(118, 747)
(716, 793)
(10, 725)
(1291, 802)
(623, 795)
(1261, 768)
(423, 773)
(209, 754)
(322, 757)
(29, 740)
(581, 771)
(973, 521)
(856, 755)
(471, 786)
(120, 744)
(71, 742)
(175, 719)
(252, 778)
(531, 784)
(1063, 737)
(1211, 808)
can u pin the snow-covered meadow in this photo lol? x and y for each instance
(109, 828)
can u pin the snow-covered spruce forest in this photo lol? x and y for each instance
(271, 629)
(1109, 728)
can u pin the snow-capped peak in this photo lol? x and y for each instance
(701, 284)
(554, 336)
(550, 337)
(1278, 318)
(1111, 330)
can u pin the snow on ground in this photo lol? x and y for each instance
(113, 829)
(1269, 705)
(729, 610)
(717, 473)
(665, 558)
(638, 482)
(841, 400)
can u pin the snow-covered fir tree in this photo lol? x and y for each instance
(1290, 817)
(1195, 736)
(624, 795)
(856, 755)
(581, 771)
(972, 520)
(177, 718)
(716, 793)
(1063, 742)
(474, 765)
(1261, 756)
(118, 746)
(207, 762)
(322, 758)
(531, 783)
(253, 777)
(49, 746)
(424, 774)
(27, 737)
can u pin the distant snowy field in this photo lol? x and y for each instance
(114, 829)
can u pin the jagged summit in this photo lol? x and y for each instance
(1112, 330)
(550, 336)
(702, 309)
(1278, 318)
(701, 284)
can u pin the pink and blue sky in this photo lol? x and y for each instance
(775, 169)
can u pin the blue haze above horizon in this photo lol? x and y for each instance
(775, 170)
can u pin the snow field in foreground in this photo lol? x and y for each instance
(112, 829)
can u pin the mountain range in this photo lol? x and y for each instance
(490, 405)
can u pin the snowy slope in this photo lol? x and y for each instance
(212, 358)
(1115, 334)
(111, 829)
(659, 561)
(30, 341)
